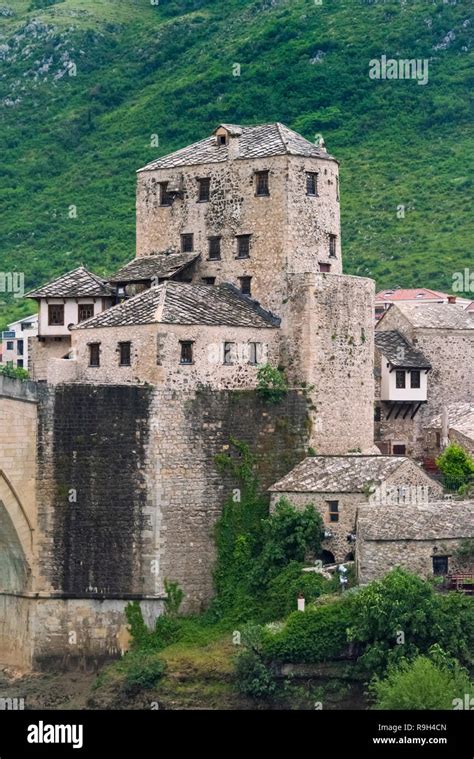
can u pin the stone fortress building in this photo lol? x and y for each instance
(141, 380)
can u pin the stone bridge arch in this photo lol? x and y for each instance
(16, 540)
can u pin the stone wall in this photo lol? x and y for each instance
(155, 355)
(377, 557)
(328, 346)
(41, 353)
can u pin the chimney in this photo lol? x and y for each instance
(451, 299)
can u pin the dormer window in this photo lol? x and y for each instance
(222, 139)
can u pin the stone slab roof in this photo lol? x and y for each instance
(182, 303)
(399, 351)
(460, 418)
(435, 315)
(79, 283)
(159, 266)
(254, 142)
(438, 520)
(338, 474)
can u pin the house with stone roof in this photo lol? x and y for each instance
(426, 541)
(419, 295)
(424, 354)
(337, 486)
(62, 303)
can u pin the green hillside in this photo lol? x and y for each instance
(86, 83)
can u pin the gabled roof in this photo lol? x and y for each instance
(460, 419)
(339, 474)
(182, 303)
(434, 315)
(398, 351)
(418, 294)
(438, 520)
(159, 266)
(78, 283)
(254, 142)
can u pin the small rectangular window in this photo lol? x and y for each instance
(85, 311)
(399, 450)
(440, 565)
(261, 183)
(165, 197)
(332, 246)
(415, 379)
(253, 353)
(214, 248)
(56, 315)
(19, 363)
(337, 188)
(186, 351)
(243, 246)
(19, 347)
(94, 354)
(187, 243)
(400, 379)
(10, 345)
(204, 190)
(245, 285)
(333, 510)
(125, 354)
(229, 353)
(209, 280)
(325, 267)
(311, 183)
(222, 139)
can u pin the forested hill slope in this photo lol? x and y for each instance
(86, 84)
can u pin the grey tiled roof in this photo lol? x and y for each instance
(338, 474)
(433, 521)
(75, 284)
(254, 142)
(182, 303)
(399, 351)
(435, 315)
(460, 418)
(159, 266)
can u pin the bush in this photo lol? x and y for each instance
(457, 467)
(401, 616)
(287, 585)
(313, 636)
(271, 383)
(143, 669)
(421, 684)
(254, 677)
(15, 372)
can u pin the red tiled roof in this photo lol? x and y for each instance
(421, 293)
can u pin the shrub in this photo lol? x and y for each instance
(289, 535)
(284, 588)
(15, 372)
(420, 684)
(141, 636)
(271, 383)
(253, 676)
(401, 616)
(143, 669)
(457, 467)
(312, 636)
(174, 598)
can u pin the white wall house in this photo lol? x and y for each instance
(403, 384)
(15, 341)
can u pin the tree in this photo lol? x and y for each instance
(421, 684)
(457, 467)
